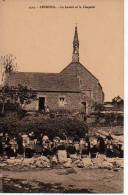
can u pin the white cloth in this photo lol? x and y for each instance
(25, 140)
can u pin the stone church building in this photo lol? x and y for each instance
(74, 89)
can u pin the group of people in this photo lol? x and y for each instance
(30, 144)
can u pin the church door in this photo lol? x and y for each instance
(41, 103)
(83, 107)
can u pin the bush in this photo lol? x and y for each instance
(53, 127)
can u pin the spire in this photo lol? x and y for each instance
(75, 55)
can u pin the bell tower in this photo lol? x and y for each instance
(75, 54)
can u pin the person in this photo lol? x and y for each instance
(117, 150)
(101, 144)
(38, 145)
(87, 138)
(71, 149)
(1, 144)
(77, 147)
(61, 153)
(12, 150)
(47, 110)
(76, 138)
(32, 135)
(121, 149)
(56, 141)
(86, 150)
(25, 139)
(32, 143)
(45, 139)
(109, 151)
(93, 149)
(46, 151)
(109, 138)
(19, 140)
(82, 145)
(27, 150)
(6, 144)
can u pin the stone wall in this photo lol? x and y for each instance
(52, 100)
(90, 87)
(91, 92)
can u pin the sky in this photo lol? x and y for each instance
(41, 38)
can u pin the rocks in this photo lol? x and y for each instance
(18, 161)
(33, 162)
(97, 162)
(3, 164)
(38, 164)
(79, 163)
(106, 165)
(43, 162)
(120, 162)
(74, 157)
(87, 162)
(43, 158)
(13, 162)
(28, 161)
(117, 162)
(68, 164)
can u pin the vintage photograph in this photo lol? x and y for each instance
(61, 96)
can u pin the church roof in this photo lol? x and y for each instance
(45, 81)
(75, 68)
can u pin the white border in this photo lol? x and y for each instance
(126, 96)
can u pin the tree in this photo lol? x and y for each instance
(17, 95)
(8, 65)
(118, 102)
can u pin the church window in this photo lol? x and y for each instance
(61, 101)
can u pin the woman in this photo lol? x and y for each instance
(19, 140)
(93, 149)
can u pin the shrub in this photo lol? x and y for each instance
(53, 127)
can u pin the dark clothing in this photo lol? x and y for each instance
(109, 153)
(61, 147)
(53, 150)
(121, 154)
(20, 145)
(28, 153)
(93, 152)
(85, 151)
(20, 149)
(10, 152)
(5, 144)
(71, 150)
(87, 138)
(76, 139)
(19, 140)
(1, 147)
(101, 145)
(109, 137)
(47, 152)
(38, 148)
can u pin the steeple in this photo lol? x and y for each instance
(75, 54)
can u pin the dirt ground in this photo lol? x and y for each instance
(63, 180)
